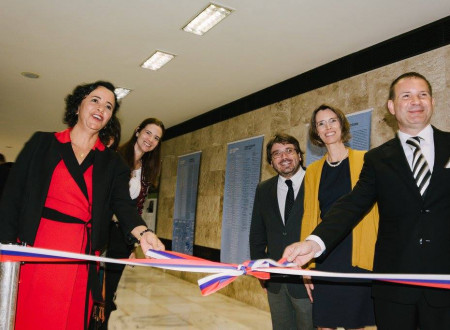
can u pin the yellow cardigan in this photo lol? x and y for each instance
(364, 234)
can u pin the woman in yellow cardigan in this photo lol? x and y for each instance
(343, 303)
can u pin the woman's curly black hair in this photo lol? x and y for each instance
(74, 100)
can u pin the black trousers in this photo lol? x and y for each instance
(421, 315)
(117, 248)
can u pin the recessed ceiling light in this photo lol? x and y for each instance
(121, 92)
(31, 75)
(157, 60)
(207, 19)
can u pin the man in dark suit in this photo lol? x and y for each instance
(276, 222)
(411, 183)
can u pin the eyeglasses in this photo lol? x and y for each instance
(279, 153)
(331, 122)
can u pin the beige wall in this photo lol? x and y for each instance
(368, 90)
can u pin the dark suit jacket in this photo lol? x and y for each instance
(414, 232)
(269, 236)
(4, 172)
(28, 182)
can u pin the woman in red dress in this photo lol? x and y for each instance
(60, 195)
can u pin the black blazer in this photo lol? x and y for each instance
(414, 232)
(269, 236)
(4, 172)
(28, 182)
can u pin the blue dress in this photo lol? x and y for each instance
(339, 302)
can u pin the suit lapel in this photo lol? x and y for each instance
(298, 203)
(99, 183)
(273, 200)
(441, 157)
(54, 158)
(394, 157)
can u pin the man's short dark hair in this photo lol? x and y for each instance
(283, 139)
(407, 75)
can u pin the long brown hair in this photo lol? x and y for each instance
(151, 161)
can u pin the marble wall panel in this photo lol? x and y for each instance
(214, 158)
(211, 182)
(164, 229)
(280, 114)
(208, 222)
(367, 90)
(261, 121)
(441, 116)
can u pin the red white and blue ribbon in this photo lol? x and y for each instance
(222, 273)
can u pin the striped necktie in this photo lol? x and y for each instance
(420, 168)
(289, 200)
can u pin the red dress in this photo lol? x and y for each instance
(55, 296)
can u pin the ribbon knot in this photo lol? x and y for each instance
(243, 269)
(215, 282)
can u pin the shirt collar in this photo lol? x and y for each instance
(426, 134)
(296, 179)
(64, 137)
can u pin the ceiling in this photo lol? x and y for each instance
(263, 42)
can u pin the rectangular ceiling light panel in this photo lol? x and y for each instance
(121, 92)
(208, 18)
(157, 60)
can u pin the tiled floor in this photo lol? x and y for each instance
(150, 298)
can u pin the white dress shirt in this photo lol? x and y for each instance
(135, 183)
(282, 188)
(426, 145)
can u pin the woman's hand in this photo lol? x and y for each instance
(148, 240)
(309, 286)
